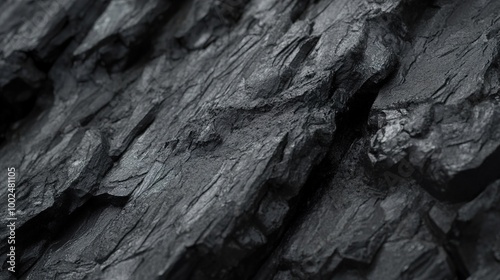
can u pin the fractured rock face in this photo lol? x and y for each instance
(251, 139)
(441, 110)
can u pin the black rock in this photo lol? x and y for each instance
(233, 139)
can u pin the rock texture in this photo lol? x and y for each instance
(252, 139)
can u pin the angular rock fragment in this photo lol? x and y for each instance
(440, 112)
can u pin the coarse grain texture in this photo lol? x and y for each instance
(252, 139)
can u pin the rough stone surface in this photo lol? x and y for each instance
(252, 139)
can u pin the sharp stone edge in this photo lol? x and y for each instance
(228, 139)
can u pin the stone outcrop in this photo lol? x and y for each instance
(238, 139)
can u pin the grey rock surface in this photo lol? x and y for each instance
(252, 139)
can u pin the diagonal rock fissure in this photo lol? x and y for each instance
(352, 125)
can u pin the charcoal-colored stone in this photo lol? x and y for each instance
(251, 139)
